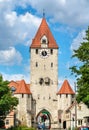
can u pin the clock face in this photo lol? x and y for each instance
(44, 53)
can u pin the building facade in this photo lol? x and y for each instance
(40, 102)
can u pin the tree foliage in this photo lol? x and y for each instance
(7, 101)
(82, 70)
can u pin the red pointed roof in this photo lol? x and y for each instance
(66, 88)
(43, 30)
(21, 87)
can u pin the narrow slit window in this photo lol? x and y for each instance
(51, 64)
(36, 51)
(22, 95)
(36, 64)
(38, 96)
(51, 51)
(66, 95)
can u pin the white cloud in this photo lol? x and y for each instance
(20, 29)
(16, 77)
(71, 12)
(76, 42)
(11, 18)
(10, 57)
(14, 28)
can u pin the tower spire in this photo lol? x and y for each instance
(43, 13)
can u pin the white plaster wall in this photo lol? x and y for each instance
(64, 102)
(81, 113)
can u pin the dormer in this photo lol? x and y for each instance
(44, 41)
(13, 89)
(44, 36)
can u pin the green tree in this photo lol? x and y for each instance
(7, 101)
(82, 70)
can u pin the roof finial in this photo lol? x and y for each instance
(43, 13)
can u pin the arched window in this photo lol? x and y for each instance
(41, 81)
(47, 81)
(44, 41)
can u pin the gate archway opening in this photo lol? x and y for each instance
(43, 119)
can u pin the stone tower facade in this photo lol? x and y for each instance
(44, 74)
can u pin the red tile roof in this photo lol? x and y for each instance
(13, 84)
(66, 88)
(43, 30)
(21, 87)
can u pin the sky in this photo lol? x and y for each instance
(19, 21)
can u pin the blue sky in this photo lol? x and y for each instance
(19, 21)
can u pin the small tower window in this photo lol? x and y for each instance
(52, 64)
(49, 96)
(38, 96)
(51, 51)
(66, 95)
(36, 64)
(22, 95)
(41, 81)
(44, 41)
(36, 51)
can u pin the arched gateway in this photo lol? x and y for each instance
(43, 119)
